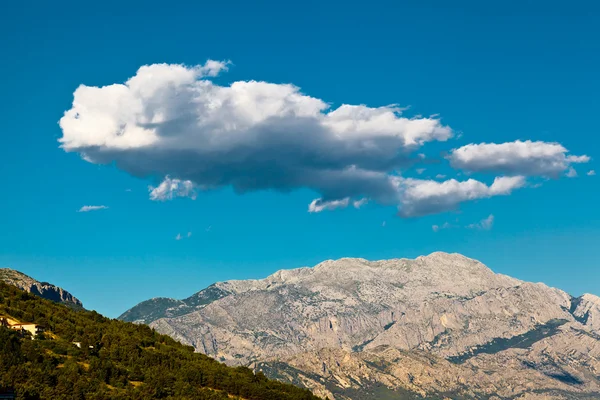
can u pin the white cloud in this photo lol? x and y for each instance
(318, 205)
(91, 208)
(571, 173)
(423, 197)
(189, 234)
(418, 197)
(591, 172)
(420, 170)
(440, 176)
(485, 224)
(171, 188)
(383, 224)
(213, 68)
(178, 237)
(515, 158)
(172, 121)
(360, 203)
(437, 228)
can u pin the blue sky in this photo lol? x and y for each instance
(492, 73)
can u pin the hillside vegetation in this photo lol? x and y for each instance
(117, 360)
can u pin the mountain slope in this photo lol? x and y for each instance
(42, 289)
(160, 307)
(383, 317)
(83, 355)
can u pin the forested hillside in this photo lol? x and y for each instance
(115, 360)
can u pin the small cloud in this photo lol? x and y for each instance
(437, 228)
(383, 224)
(485, 224)
(591, 172)
(420, 170)
(91, 208)
(171, 188)
(424, 197)
(128, 190)
(180, 236)
(209, 228)
(421, 155)
(440, 176)
(527, 158)
(360, 203)
(571, 173)
(318, 205)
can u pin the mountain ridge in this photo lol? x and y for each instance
(43, 289)
(279, 276)
(455, 310)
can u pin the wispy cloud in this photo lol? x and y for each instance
(571, 173)
(360, 203)
(318, 205)
(180, 236)
(591, 172)
(437, 228)
(91, 208)
(485, 224)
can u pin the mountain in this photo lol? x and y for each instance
(440, 326)
(83, 355)
(42, 289)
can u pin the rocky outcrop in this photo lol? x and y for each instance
(42, 289)
(440, 325)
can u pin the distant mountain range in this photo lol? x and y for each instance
(42, 289)
(441, 326)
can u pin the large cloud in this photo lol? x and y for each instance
(172, 123)
(515, 158)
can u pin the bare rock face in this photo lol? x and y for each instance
(441, 325)
(42, 289)
(586, 309)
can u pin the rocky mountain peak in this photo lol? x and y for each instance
(42, 289)
(591, 298)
